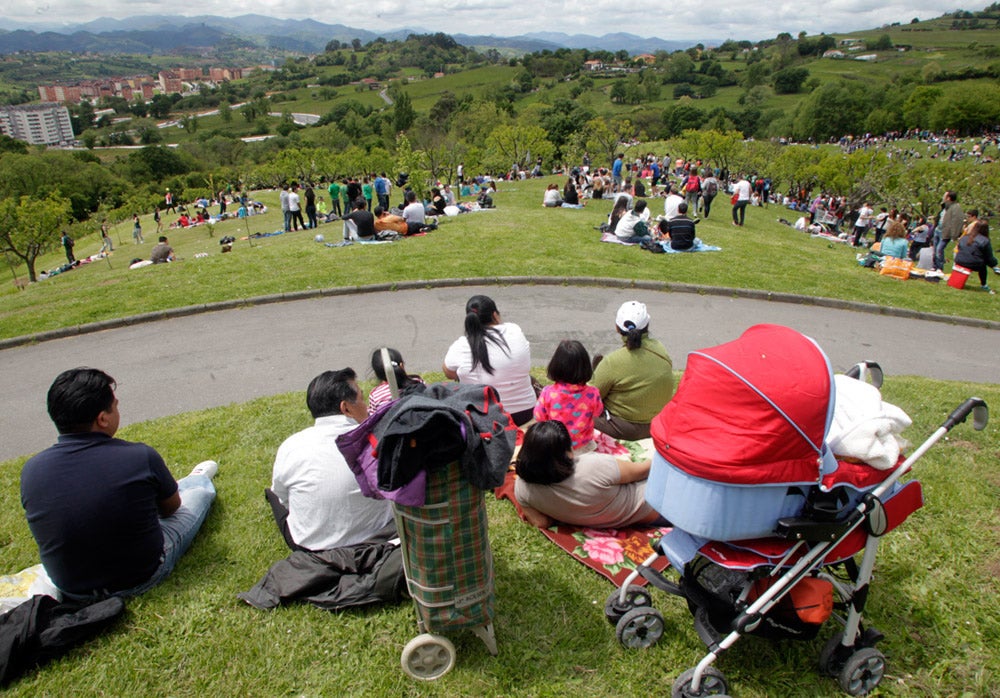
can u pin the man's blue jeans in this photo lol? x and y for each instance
(939, 249)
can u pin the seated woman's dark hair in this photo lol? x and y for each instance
(570, 363)
(546, 454)
(617, 211)
(479, 314)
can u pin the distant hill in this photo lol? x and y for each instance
(168, 34)
(615, 42)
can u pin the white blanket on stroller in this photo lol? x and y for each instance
(864, 427)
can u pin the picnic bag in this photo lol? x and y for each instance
(896, 268)
(735, 198)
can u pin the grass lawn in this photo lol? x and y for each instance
(935, 594)
(520, 238)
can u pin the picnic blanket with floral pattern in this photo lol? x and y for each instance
(612, 553)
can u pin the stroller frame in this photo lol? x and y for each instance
(849, 655)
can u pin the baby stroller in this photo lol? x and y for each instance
(433, 453)
(767, 523)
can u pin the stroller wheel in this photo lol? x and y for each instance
(427, 657)
(830, 661)
(862, 672)
(635, 596)
(713, 683)
(640, 628)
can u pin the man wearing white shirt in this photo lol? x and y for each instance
(311, 479)
(742, 192)
(414, 213)
(861, 225)
(671, 203)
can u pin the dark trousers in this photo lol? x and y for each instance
(740, 211)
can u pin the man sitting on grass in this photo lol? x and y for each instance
(108, 517)
(162, 251)
(345, 548)
(312, 481)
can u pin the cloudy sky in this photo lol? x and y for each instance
(680, 19)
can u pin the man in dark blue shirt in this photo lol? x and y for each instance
(680, 229)
(108, 517)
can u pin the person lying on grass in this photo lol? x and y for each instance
(594, 489)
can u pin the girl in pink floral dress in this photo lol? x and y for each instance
(569, 399)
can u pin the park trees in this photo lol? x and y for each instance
(517, 144)
(604, 138)
(30, 226)
(832, 110)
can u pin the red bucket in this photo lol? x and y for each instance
(959, 275)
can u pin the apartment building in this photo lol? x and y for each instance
(39, 124)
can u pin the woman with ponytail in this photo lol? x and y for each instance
(496, 353)
(635, 381)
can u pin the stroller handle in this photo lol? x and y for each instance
(976, 407)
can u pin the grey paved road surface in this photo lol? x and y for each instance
(231, 356)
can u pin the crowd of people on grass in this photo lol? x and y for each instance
(689, 189)
(891, 233)
(109, 518)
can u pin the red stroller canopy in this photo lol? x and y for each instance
(752, 411)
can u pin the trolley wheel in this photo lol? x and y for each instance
(427, 657)
(862, 672)
(635, 596)
(640, 628)
(713, 683)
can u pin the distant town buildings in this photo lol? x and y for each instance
(92, 90)
(137, 87)
(38, 124)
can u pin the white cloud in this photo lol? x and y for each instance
(680, 20)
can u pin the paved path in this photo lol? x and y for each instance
(230, 356)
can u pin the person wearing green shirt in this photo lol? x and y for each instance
(635, 381)
(334, 190)
(367, 190)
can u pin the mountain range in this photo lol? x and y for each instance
(166, 34)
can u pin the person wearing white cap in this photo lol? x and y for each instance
(635, 381)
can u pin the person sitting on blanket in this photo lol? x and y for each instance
(596, 490)
(671, 203)
(570, 195)
(414, 213)
(679, 230)
(569, 399)
(894, 244)
(389, 221)
(363, 220)
(636, 380)
(316, 500)
(632, 227)
(552, 198)
(619, 209)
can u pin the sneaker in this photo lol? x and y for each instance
(208, 468)
(988, 290)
